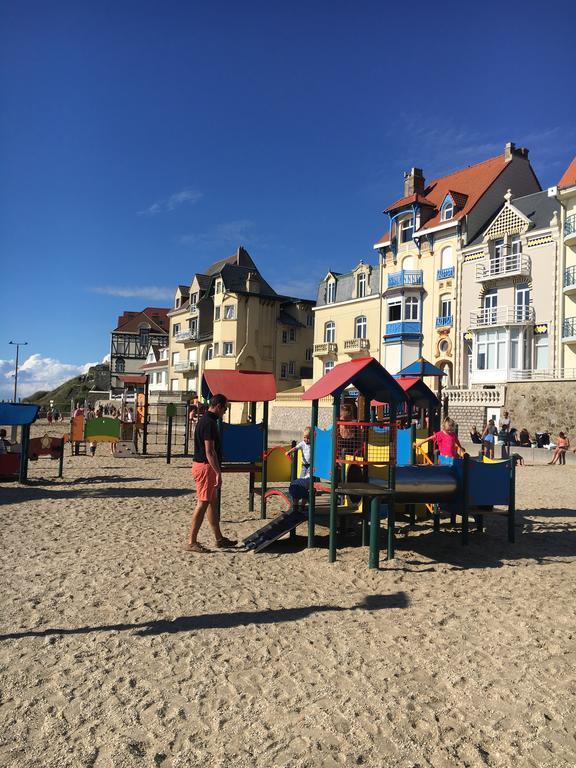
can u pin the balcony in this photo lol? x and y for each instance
(570, 280)
(570, 230)
(445, 274)
(403, 327)
(189, 367)
(326, 348)
(446, 321)
(569, 330)
(512, 265)
(406, 278)
(187, 336)
(494, 316)
(356, 346)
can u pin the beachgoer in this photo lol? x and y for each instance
(475, 436)
(524, 438)
(562, 445)
(518, 459)
(50, 415)
(489, 438)
(4, 442)
(208, 475)
(92, 448)
(446, 440)
(504, 422)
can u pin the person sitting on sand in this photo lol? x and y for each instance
(446, 441)
(475, 436)
(524, 438)
(562, 445)
(208, 475)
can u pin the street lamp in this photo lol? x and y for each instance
(17, 344)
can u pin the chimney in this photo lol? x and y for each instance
(510, 151)
(413, 182)
(252, 283)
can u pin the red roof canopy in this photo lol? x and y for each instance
(240, 386)
(366, 374)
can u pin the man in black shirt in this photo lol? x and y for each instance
(207, 474)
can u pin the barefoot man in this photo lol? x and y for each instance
(207, 474)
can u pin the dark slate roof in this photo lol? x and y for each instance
(234, 279)
(538, 207)
(285, 318)
(345, 286)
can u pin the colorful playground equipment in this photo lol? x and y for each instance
(367, 468)
(244, 446)
(14, 465)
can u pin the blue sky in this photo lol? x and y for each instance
(139, 141)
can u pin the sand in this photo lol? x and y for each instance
(118, 649)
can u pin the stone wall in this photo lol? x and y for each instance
(287, 422)
(543, 406)
(468, 416)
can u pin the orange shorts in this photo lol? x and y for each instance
(205, 478)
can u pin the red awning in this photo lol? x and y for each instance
(133, 379)
(366, 374)
(240, 386)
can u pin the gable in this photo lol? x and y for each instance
(510, 221)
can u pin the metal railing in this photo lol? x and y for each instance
(502, 316)
(570, 225)
(405, 277)
(356, 345)
(546, 374)
(445, 273)
(403, 326)
(445, 321)
(187, 366)
(569, 277)
(569, 328)
(326, 348)
(504, 266)
(187, 336)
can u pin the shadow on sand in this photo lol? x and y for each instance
(20, 494)
(222, 620)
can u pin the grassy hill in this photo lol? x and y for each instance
(77, 388)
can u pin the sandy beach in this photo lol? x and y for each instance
(118, 649)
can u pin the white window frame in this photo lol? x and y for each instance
(228, 348)
(331, 292)
(407, 226)
(175, 329)
(447, 257)
(447, 212)
(446, 305)
(361, 284)
(218, 285)
(229, 312)
(210, 352)
(328, 366)
(412, 307)
(394, 303)
(360, 327)
(329, 332)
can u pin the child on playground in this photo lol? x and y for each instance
(92, 448)
(299, 488)
(446, 440)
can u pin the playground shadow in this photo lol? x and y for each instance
(222, 620)
(93, 480)
(18, 495)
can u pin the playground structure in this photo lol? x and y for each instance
(244, 447)
(368, 468)
(14, 465)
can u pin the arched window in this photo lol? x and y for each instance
(329, 332)
(410, 262)
(446, 257)
(361, 285)
(411, 308)
(331, 292)
(360, 327)
(120, 365)
(447, 209)
(445, 305)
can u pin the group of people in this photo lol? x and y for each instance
(503, 433)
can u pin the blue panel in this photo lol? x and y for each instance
(404, 446)
(488, 483)
(444, 274)
(15, 414)
(323, 454)
(241, 442)
(403, 326)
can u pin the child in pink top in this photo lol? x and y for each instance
(446, 440)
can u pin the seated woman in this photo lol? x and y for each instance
(562, 445)
(524, 438)
(475, 436)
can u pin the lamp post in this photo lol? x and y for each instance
(17, 344)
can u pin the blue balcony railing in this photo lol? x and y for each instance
(406, 277)
(569, 276)
(444, 322)
(445, 273)
(570, 225)
(569, 328)
(403, 327)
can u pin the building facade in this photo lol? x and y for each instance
(156, 367)
(130, 342)
(567, 342)
(230, 318)
(508, 307)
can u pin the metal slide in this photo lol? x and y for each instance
(278, 527)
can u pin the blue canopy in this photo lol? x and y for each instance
(17, 414)
(421, 367)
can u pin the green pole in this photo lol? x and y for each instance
(391, 482)
(367, 511)
(334, 482)
(512, 504)
(264, 461)
(374, 552)
(145, 417)
(311, 491)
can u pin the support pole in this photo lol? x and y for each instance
(512, 504)
(169, 445)
(374, 553)
(312, 491)
(391, 482)
(187, 429)
(252, 476)
(24, 455)
(334, 482)
(61, 460)
(293, 475)
(465, 498)
(264, 460)
(145, 417)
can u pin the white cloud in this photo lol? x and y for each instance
(155, 292)
(189, 196)
(240, 232)
(35, 373)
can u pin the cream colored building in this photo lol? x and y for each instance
(508, 304)
(230, 318)
(567, 342)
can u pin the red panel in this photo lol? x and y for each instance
(241, 386)
(340, 376)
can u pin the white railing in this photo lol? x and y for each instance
(187, 366)
(520, 315)
(187, 336)
(482, 397)
(356, 345)
(503, 266)
(326, 348)
(546, 374)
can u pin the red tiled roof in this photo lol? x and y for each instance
(385, 238)
(134, 318)
(415, 198)
(569, 177)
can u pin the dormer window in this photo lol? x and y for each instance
(331, 292)
(407, 230)
(447, 209)
(218, 286)
(361, 285)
